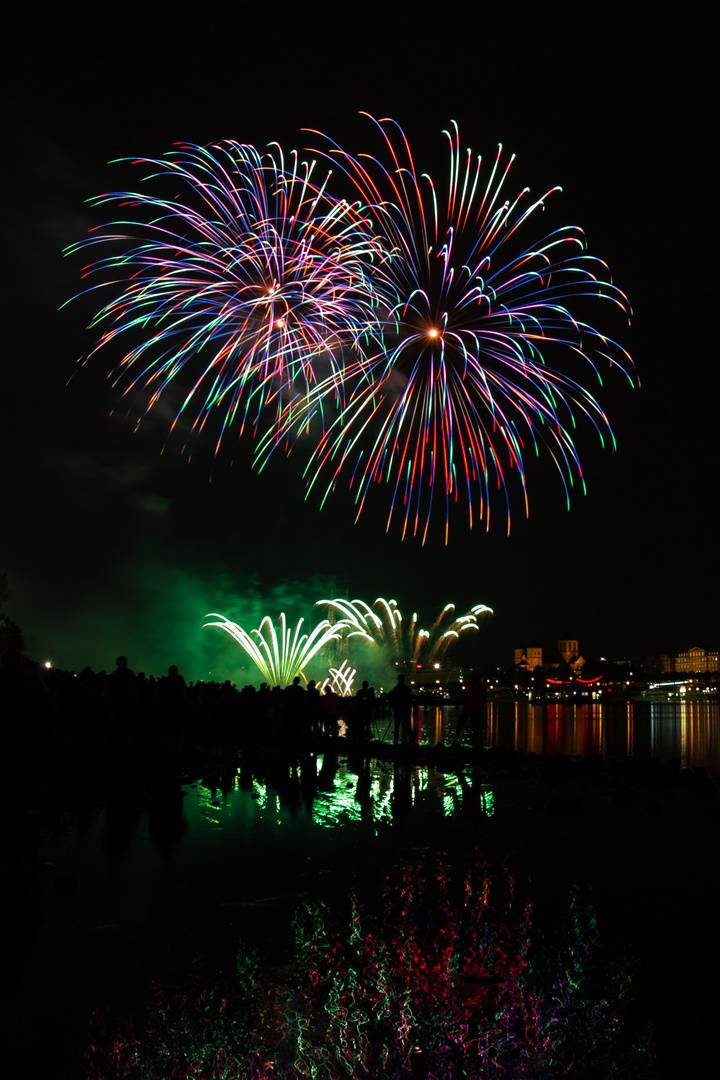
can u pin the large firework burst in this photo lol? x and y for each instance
(243, 290)
(427, 343)
(485, 355)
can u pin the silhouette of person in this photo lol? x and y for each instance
(331, 717)
(123, 713)
(312, 713)
(474, 698)
(365, 701)
(401, 701)
(173, 708)
(294, 703)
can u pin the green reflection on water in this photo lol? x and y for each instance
(329, 791)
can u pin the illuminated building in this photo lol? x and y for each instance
(528, 659)
(697, 659)
(568, 653)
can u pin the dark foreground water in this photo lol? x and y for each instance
(337, 916)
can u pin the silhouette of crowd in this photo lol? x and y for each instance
(122, 711)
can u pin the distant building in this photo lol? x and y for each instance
(528, 659)
(568, 653)
(568, 650)
(697, 659)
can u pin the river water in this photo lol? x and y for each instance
(340, 916)
(688, 731)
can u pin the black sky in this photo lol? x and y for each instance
(110, 546)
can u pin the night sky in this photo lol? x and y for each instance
(111, 546)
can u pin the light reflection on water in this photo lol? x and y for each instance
(439, 972)
(330, 790)
(687, 730)
(325, 885)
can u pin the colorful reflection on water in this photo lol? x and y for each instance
(434, 970)
(688, 731)
(346, 921)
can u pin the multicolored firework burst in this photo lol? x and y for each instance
(279, 657)
(382, 624)
(485, 353)
(429, 343)
(244, 289)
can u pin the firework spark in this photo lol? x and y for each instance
(382, 624)
(279, 657)
(485, 353)
(340, 680)
(244, 289)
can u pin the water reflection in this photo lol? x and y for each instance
(434, 969)
(684, 730)
(332, 789)
(343, 923)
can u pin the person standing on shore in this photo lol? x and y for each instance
(401, 700)
(122, 706)
(365, 699)
(474, 699)
(173, 708)
(330, 712)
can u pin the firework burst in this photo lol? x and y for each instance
(240, 293)
(484, 356)
(382, 624)
(279, 656)
(340, 680)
